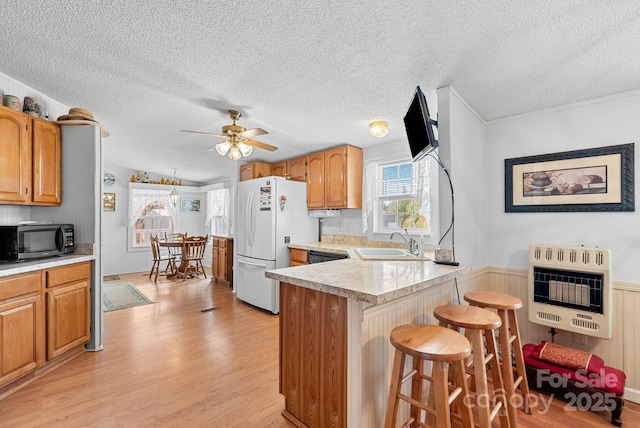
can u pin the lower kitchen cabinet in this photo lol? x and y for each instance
(222, 260)
(299, 257)
(68, 308)
(20, 326)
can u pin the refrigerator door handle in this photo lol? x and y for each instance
(252, 264)
(248, 218)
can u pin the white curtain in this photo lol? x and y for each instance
(218, 208)
(145, 200)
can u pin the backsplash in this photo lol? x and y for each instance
(359, 241)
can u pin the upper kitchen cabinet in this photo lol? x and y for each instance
(315, 172)
(253, 170)
(296, 168)
(46, 163)
(343, 177)
(30, 162)
(279, 169)
(15, 157)
(334, 178)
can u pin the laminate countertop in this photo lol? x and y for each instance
(371, 281)
(13, 268)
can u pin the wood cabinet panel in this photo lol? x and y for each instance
(47, 174)
(299, 257)
(15, 157)
(19, 285)
(313, 356)
(68, 323)
(68, 307)
(18, 337)
(279, 169)
(343, 177)
(315, 180)
(222, 260)
(30, 160)
(66, 274)
(253, 170)
(297, 169)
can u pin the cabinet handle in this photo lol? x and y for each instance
(26, 190)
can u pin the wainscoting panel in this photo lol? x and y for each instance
(620, 351)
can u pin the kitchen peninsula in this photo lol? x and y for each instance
(335, 320)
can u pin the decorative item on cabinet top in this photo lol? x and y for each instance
(80, 116)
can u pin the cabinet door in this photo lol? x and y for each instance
(246, 172)
(279, 169)
(18, 338)
(315, 180)
(335, 177)
(222, 264)
(67, 317)
(15, 157)
(254, 170)
(46, 163)
(296, 169)
(215, 264)
(299, 257)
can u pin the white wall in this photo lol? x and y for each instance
(603, 122)
(462, 149)
(117, 257)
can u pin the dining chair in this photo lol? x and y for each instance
(159, 258)
(193, 249)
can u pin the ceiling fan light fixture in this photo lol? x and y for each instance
(235, 154)
(378, 129)
(245, 149)
(223, 148)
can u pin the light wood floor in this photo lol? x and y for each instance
(169, 364)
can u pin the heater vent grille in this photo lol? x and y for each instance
(570, 288)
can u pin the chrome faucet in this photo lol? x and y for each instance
(412, 245)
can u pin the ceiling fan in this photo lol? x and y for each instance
(238, 139)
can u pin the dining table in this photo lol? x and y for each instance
(172, 245)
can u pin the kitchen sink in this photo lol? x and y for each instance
(370, 253)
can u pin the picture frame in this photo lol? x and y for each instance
(597, 179)
(189, 205)
(109, 202)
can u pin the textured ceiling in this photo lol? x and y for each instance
(312, 73)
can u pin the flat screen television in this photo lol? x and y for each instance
(419, 127)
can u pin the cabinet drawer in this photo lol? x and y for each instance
(222, 243)
(216, 242)
(300, 256)
(18, 285)
(66, 274)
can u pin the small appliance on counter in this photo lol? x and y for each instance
(32, 240)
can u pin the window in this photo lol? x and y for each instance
(151, 213)
(403, 197)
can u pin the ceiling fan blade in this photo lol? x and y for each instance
(204, 133)
(260, 145)
(252, 132)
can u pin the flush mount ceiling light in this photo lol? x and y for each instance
(174, 195)
(378, 129)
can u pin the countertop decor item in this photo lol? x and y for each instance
(598, 179)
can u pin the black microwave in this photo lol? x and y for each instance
(35, 241)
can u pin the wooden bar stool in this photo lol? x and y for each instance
(506, 306)
(446, 349)
(479, 323)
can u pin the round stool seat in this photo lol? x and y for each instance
(463, 316)
(430, 342)
(493, 299)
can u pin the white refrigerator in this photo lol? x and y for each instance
(272, 212)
